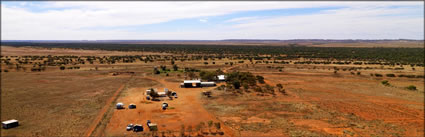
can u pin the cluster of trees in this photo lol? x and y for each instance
(210, 75)
(400, 75)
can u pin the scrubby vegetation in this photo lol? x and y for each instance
(405, 56)
(411, 87)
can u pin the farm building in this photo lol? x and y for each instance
(160, 94)
(191, 83)
(196, 83)
(10, 123)
(207, 84)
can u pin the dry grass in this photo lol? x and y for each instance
(54, 103)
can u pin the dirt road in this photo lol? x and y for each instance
(103, 111)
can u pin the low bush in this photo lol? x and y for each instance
(378, 75)
(390, 75)
(411, 87)
(385, 83)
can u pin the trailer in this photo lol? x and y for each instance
(152, 127)
(10, 123)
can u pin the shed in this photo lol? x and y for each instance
(10, 123)
(191, 83)
(207, 84)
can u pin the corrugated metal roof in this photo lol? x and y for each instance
(207, 82)
(191, 81)
(9, 121)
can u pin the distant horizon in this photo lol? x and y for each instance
(226, 40)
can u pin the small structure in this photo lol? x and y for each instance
(120, 105)
(221, 78)
(10, 123)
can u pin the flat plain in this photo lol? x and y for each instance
(341, 98)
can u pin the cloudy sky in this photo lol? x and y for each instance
(211, 20)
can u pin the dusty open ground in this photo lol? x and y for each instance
(319, 102)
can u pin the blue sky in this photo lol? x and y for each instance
(211, 20)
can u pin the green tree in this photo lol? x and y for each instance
(175, 67)
(260, 79)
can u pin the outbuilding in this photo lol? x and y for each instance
(207, 84)
(191, 83)
(10, 123)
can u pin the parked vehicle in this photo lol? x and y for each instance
(132, 106)
(120, 105)
(137, 128)
(164, 106)
(152, 127)
(174, 94)
(130, 127)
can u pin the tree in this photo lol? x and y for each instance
(182, 131)
(163, 68)
(236, 84)
(208, 75)
(156, 71)
(385, 82)
(279, 86)
(175, 67)
(191, 75)
(172, 62)
(260, 79)
(411, 87)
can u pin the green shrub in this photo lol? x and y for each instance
(390, 75)
(385, 82)
(378, 75)
(411, 87)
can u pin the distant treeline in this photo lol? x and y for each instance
(393, 55)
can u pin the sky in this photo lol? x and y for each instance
(213, 20)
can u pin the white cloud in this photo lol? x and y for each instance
(241, 19)
(203, 20)
(356, 20)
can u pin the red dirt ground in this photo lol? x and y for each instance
(188, 110)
